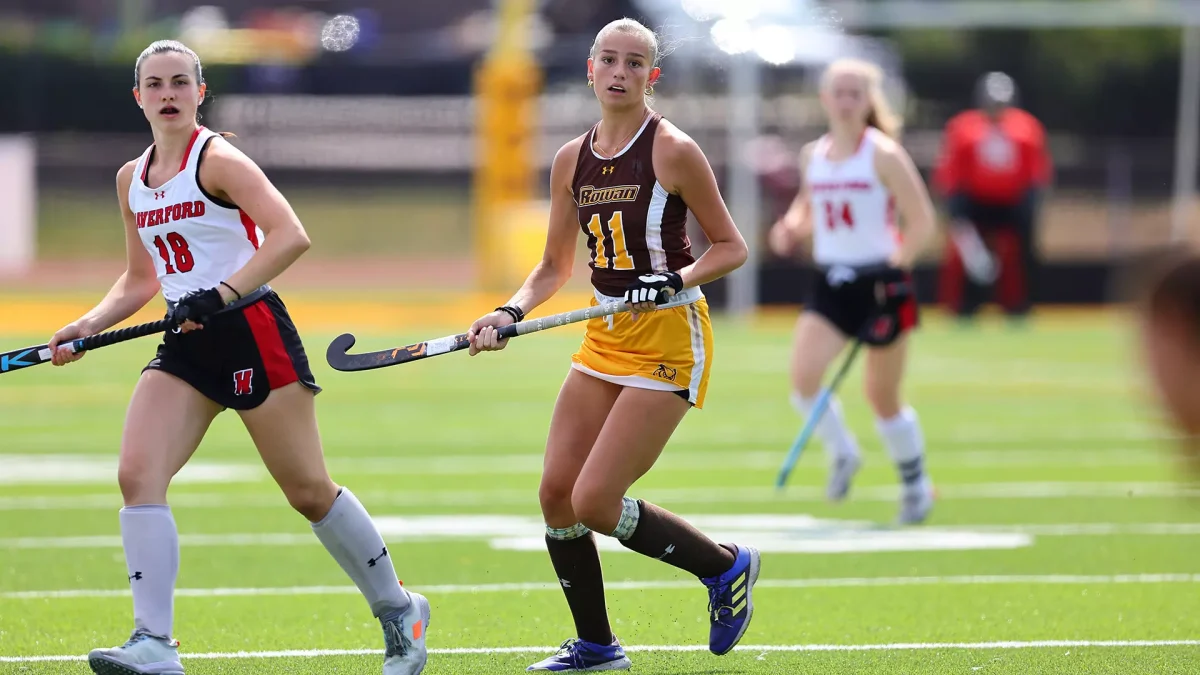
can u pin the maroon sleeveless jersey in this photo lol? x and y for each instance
(633, 225)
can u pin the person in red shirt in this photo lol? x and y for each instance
(991, 171)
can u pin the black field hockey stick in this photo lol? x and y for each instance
(339, 359)
(35, 356)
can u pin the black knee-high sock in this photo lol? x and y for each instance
(576, 561)
(657, 533)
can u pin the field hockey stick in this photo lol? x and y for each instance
(339, 359)
(810, 426)
(34, 356)
(978, 261)
(883, 290)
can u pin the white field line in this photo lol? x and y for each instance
(96, 469)
(453, 589)
(298, 539)
(453, 651)
(715, 495)
(753, 458)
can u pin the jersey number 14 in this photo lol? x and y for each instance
(835, 215)
(184, 262)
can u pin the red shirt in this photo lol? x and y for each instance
(992, 162)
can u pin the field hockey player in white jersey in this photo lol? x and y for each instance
(204, 225)
(854, 180)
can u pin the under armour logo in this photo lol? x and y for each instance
(136, 576)
(565, 583)
(243, 382)
(607, 170)
(160, 195)
(371, 562)
(669, 551)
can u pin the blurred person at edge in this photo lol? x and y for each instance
(992, 170)
(1168, 314)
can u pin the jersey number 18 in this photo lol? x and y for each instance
(184, 262)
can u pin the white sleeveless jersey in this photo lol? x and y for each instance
(196, 241)
(853, 213)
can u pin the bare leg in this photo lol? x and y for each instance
(583, 405)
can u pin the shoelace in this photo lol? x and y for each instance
(570, 648)
(715, 608)
(136, 637)
(394, 639)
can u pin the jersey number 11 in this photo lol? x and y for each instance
(620, 260)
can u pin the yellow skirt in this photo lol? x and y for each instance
(668, 349)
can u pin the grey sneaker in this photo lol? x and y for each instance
(142, 654)
(841, 472)
(915, 505)
(404, 639)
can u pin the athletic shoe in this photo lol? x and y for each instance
(730, 601)
(841, 472)
(404, 638)
(578, 656)
(142, 654)
(915, 505)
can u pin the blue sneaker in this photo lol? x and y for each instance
(577, 656)
(730, 601)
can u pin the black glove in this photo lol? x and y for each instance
(197, 306)
(893, 287)
(656, 287)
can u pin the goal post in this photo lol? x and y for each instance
(507, 88)
(18, 204)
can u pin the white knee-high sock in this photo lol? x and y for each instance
(906, 444)
(352, 539)
(831, 429)
(152, 559)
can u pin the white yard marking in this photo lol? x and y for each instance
(831, 542)
(714, 495)
(780, 533)
(755, 457)
(76, 469)
(844, 582)
(99, 469)
(895, 646)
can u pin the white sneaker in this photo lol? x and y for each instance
(143, 654)
(404, 639)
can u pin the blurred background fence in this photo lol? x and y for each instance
(366, 113)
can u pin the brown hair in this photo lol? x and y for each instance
(880, 115)
(169, 47)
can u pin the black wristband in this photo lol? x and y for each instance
(515, 312)
(235, 292)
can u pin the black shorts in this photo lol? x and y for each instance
(847, 300)
(989, 217)
(240, 356)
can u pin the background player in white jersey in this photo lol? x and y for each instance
(854, 178)
(199, 207)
